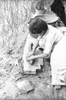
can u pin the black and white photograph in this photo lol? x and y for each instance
(32, 49)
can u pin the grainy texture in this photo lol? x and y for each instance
(14, 16)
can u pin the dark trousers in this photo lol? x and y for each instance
(61, 13)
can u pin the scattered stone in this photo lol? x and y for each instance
(25, 86)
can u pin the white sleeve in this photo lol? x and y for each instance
(48, 45)
(51, 39)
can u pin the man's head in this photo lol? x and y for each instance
(37, 27)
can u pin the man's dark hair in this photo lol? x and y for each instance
(37, 26)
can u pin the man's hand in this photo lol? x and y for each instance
(30, 54)
(31, 62)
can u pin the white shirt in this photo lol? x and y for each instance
(54, 35)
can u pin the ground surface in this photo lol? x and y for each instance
(11, 72)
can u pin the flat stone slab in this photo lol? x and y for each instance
(24, 86)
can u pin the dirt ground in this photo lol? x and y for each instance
(40, 87)
(43, 90)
